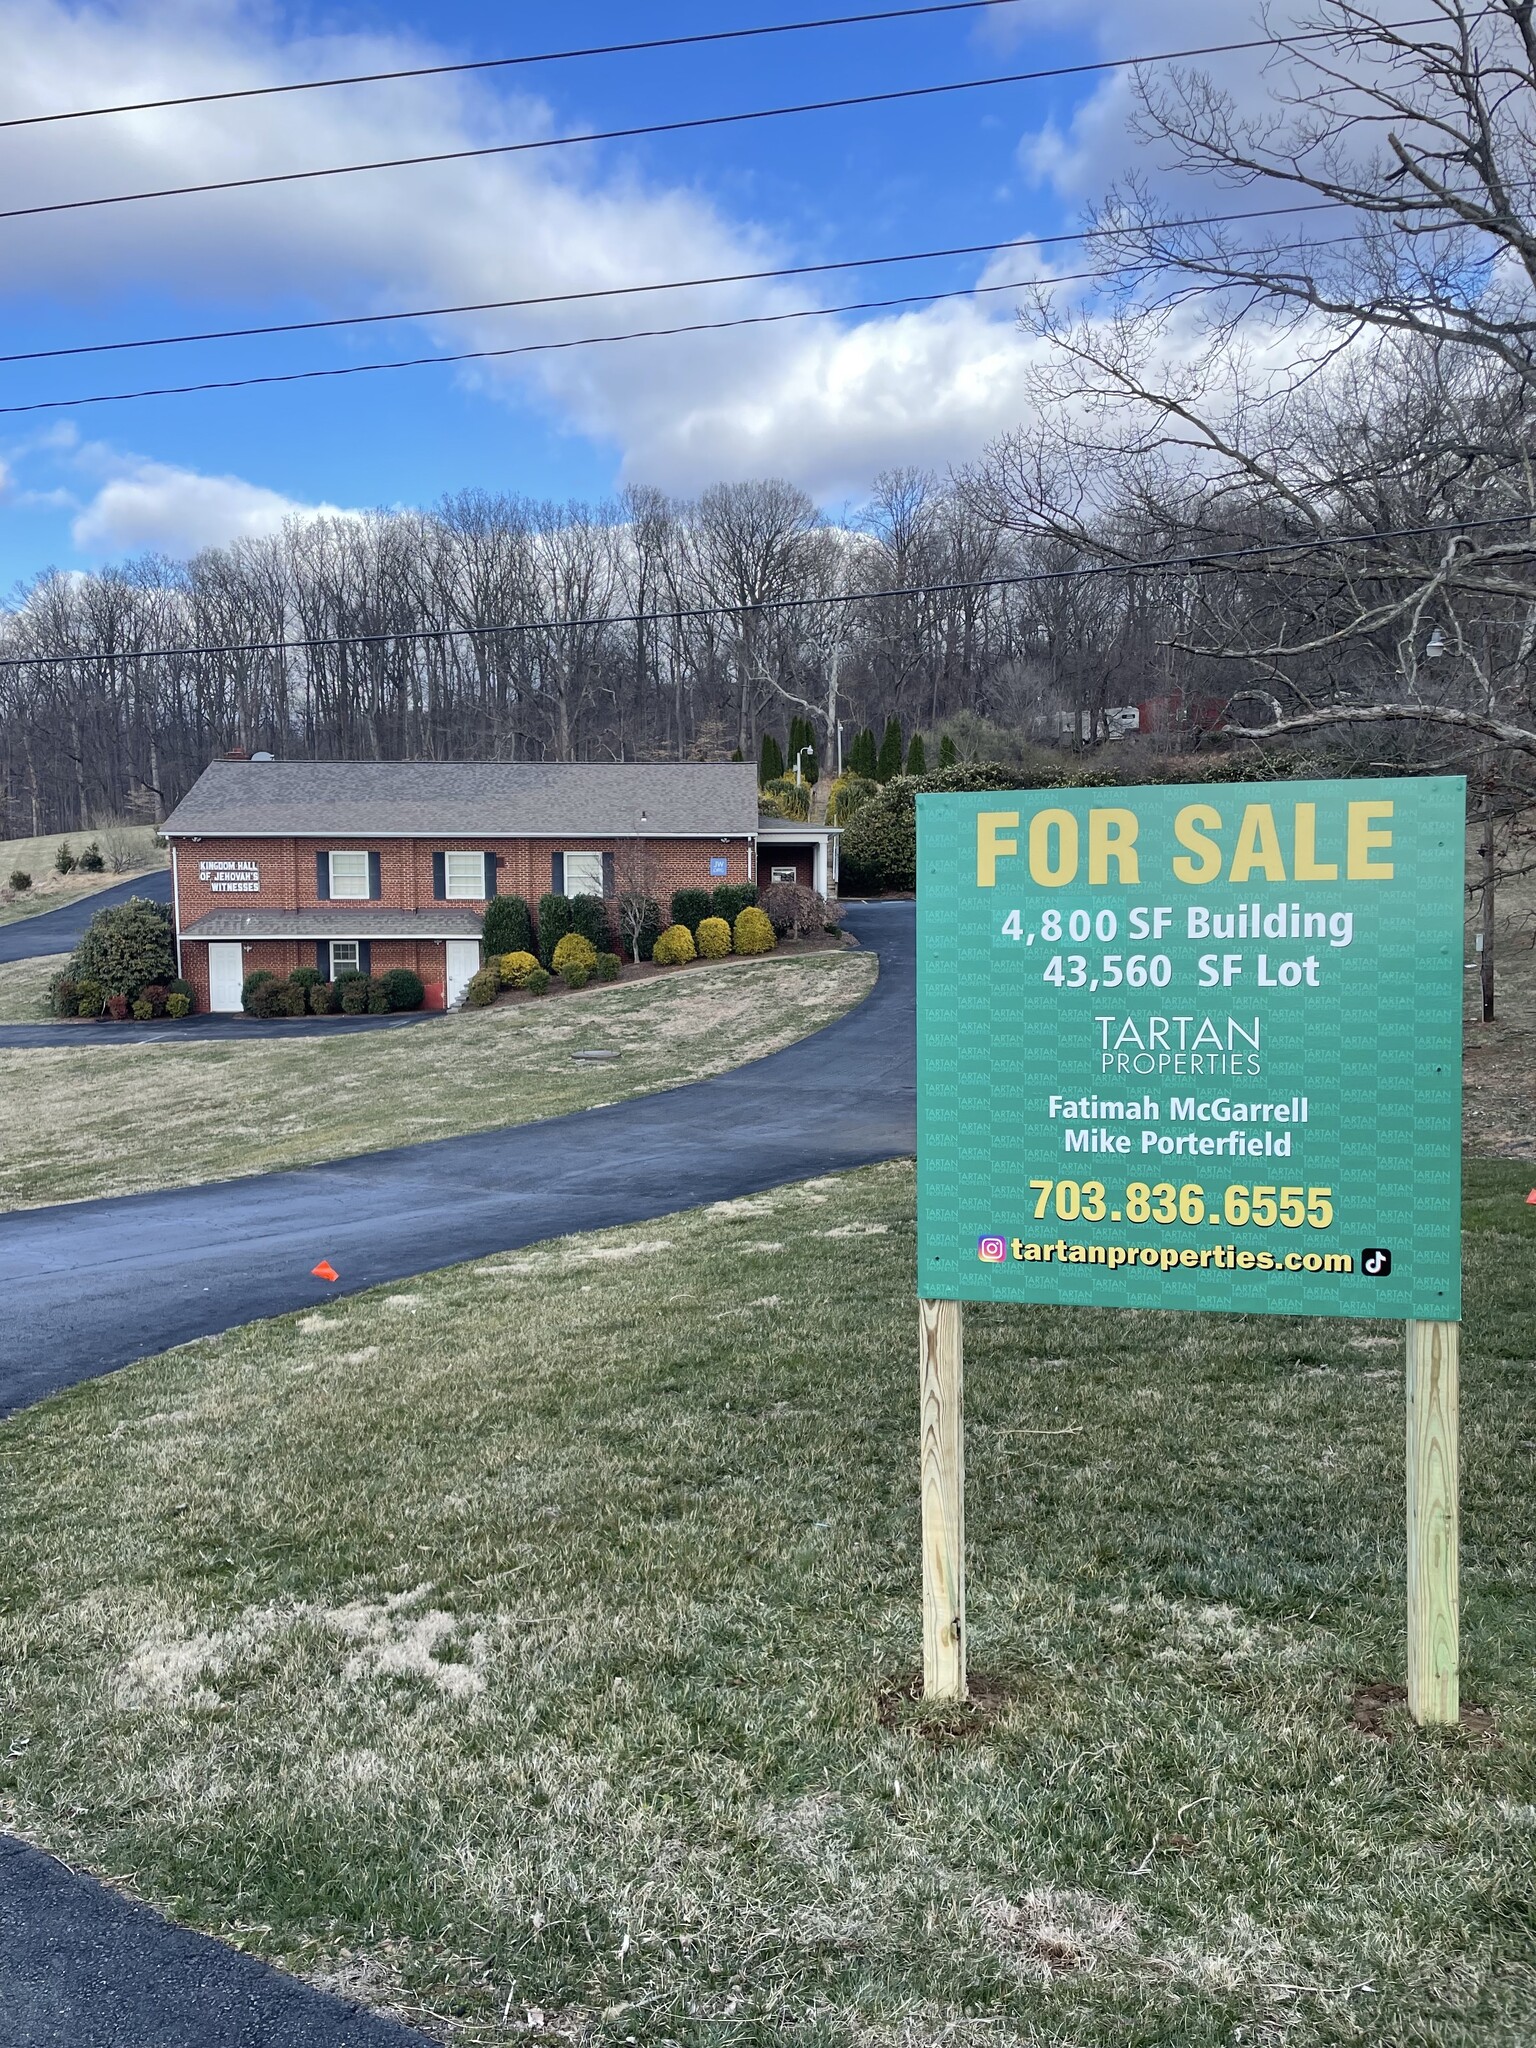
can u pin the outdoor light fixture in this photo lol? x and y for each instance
(1435, 647)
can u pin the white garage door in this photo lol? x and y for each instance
(226, 972)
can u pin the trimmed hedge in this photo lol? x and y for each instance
(674, 947)
(537, 982)
(508, 926)
(731, 898)
(753, 932)
(575, 973)
(483, 989)
(127, 946)
(609, 966)
(713, 938)
(556, 918)
(691, 907)
(589, 918)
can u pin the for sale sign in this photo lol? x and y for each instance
(1193, 1047)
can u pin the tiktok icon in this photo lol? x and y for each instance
(1375, 1263)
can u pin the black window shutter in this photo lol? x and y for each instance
(323, 958)
(492, 863)
(440, 876)
(607, 874)
(364, 950)
(323, 877)
(557, 874)
(373, 875)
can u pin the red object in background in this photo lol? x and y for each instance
(434, 995)
(325, 1271)
(1531, 1197)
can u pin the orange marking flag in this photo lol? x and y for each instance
(325, 1271)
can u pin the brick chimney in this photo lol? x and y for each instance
(238, 754)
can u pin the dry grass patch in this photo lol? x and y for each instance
(105, 1120)
(24, 988)
(519, 1658)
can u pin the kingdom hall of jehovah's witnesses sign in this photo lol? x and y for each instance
(1194, 1047)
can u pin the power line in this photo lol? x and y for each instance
(675, 284)
(1198, 563)
(692, 123)
(733, 35)
(536, 348)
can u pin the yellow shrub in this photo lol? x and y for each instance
(754, 934)
(515, 968)
(713, 938)
(674, 947)
(574, 951)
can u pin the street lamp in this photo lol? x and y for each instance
(798, 759)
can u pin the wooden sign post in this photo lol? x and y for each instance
(942, 1400)
(1434, 1697)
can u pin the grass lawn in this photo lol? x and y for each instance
(527, 1650)
(24, 988)
(133, 845)
(98, 1119)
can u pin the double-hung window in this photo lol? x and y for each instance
(464, 876)
(345, 954)
(583, 874)
(350, 875)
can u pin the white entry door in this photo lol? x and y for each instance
(226, 972)
(463, 961)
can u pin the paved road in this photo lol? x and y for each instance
(109, 1281)
(61, 930)
(81, 1967)
(115, 1280)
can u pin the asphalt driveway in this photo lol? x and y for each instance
(118, 1279)
(61, 930)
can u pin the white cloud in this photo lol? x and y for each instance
(152, 506)
(826, 402)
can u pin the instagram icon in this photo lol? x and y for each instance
(991, 1250)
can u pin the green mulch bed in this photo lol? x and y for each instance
(529, 1650)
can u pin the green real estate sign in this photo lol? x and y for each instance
(1193, 1047)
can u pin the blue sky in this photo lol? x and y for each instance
(826, 402)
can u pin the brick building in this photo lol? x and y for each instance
(380, 864)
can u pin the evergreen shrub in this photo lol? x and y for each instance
(64, 859)
(879, 848)
(515, 968)
(555, 921)
(508, 926)
(143, 1010)
(574, 951)
(589, 918)
(482, 989)
(770, 760)
(93, 861)
(787, 797)
(21, 881)
(753, 932)
(691, 907)
(537, 982)
(576, 973)
(403, 989)
(322, 999)
(306, 977)
(117, 1008)
(713, 938)
(674, 947)
(178, 1005)
(127, 945)
(355, 991)
(731, 898)
(251, 987)
(609, 966)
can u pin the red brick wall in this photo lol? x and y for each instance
(287, 869)
(803, 860)
(280, 956)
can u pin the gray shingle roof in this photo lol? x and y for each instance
(469, 799)
(336, 924)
